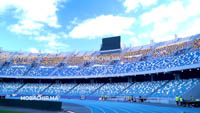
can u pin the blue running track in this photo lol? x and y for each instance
(121, 107)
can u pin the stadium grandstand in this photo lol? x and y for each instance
(154, 73)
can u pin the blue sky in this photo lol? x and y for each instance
(69, 25)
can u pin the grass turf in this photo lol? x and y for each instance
(8, 111)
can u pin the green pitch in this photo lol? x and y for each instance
(8, 111)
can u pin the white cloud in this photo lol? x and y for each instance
(49, 51)
(144, 35)
(52, 42)
(134, 41)
(163, 31)
(26, 27)
(192, 29)
(128, 41)
(193, 8)
(33, 12)
(63, 35)
(173, 12)
(134, 4)
(103, 25)
(170, 19)
(33, 50)
(72, 23)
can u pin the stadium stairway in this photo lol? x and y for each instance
(57, 66)
(187, 45)
(19, 88)
(150, 53)
(31, 66)
(72, 88)
(125, 89)
(149, 95)
(97, 89)
(9, 59)
(26, 72)
(94, 57)
(46, 88)
(51, 74)
(193, 38)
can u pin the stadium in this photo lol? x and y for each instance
(99, 56)
(112, 81)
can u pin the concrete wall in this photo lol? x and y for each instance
(195, 92)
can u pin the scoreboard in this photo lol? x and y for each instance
(111, 43)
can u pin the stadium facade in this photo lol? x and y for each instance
(160, 70)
